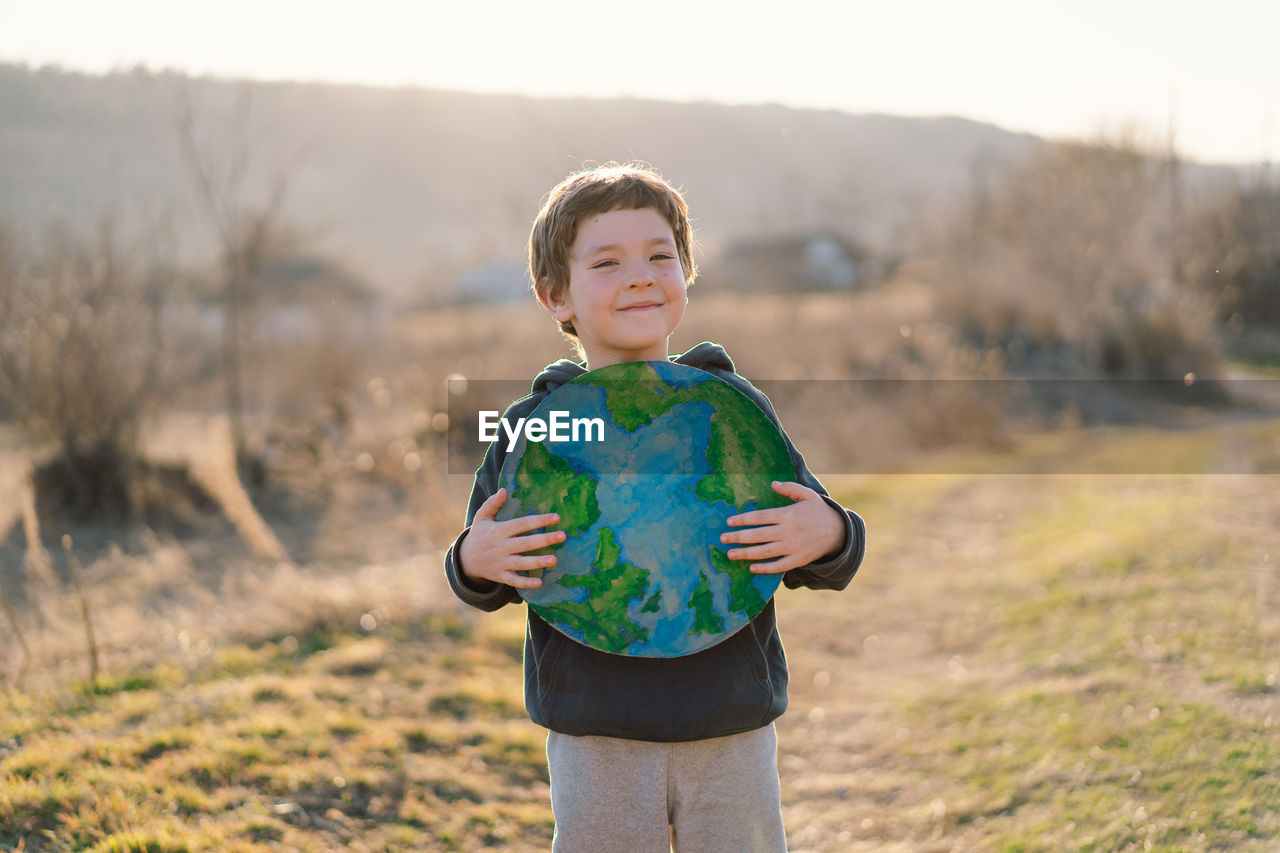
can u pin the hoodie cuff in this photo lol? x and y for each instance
(830, 563)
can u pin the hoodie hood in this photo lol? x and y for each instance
(705, 356)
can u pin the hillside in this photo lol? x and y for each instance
(412, 186)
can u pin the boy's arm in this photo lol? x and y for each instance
(835, 569)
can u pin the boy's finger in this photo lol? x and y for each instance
(776, 567)
(519, 581)
(751, 535)
(542, 540)
(757, 516)
(529, 564)
(490, 507)
(795, 491)
(526, 523)
(756, 552)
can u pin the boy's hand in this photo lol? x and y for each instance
(796, 535)
(493, 550)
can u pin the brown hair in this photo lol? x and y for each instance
(600, 189)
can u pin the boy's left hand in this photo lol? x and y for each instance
(796, 535)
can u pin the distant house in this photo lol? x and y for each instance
(497, 281)
(820, 261)
(301, 297)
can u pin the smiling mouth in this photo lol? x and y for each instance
(641, 306)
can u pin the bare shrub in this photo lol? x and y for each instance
(1235, 254)
(1066, 265)
(88, 344)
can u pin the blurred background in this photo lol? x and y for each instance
(244, 247)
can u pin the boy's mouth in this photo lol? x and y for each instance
(640, 305)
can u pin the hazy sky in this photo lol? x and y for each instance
(1055, 68)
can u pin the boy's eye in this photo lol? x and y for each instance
(662, 256)
(598, 264)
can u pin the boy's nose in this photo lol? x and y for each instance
(640, 276)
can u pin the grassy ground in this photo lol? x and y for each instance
(1027, 662)
(1072, 662)
(410, 739)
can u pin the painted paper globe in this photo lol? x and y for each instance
(652, 459)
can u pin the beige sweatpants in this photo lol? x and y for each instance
(612, 795)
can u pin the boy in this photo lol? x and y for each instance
(647, 752)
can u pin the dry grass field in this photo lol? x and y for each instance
(1036, 661)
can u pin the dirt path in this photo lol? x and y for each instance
(854, 656)
(910, 627)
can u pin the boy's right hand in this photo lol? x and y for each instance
(494, 550)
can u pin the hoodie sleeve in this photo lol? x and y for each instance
(482, 594)
(833, 570)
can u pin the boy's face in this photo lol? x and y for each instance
(626, 291)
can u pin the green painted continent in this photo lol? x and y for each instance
(734, 450)
(743, 596)
(637, 395)
(551, 484)
(654, 604)
(705, 618)
(611, 587)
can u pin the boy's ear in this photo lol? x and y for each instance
(557, 306)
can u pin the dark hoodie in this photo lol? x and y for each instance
(735, 686)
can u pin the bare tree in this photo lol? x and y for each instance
(247, 234)
(88, 342)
